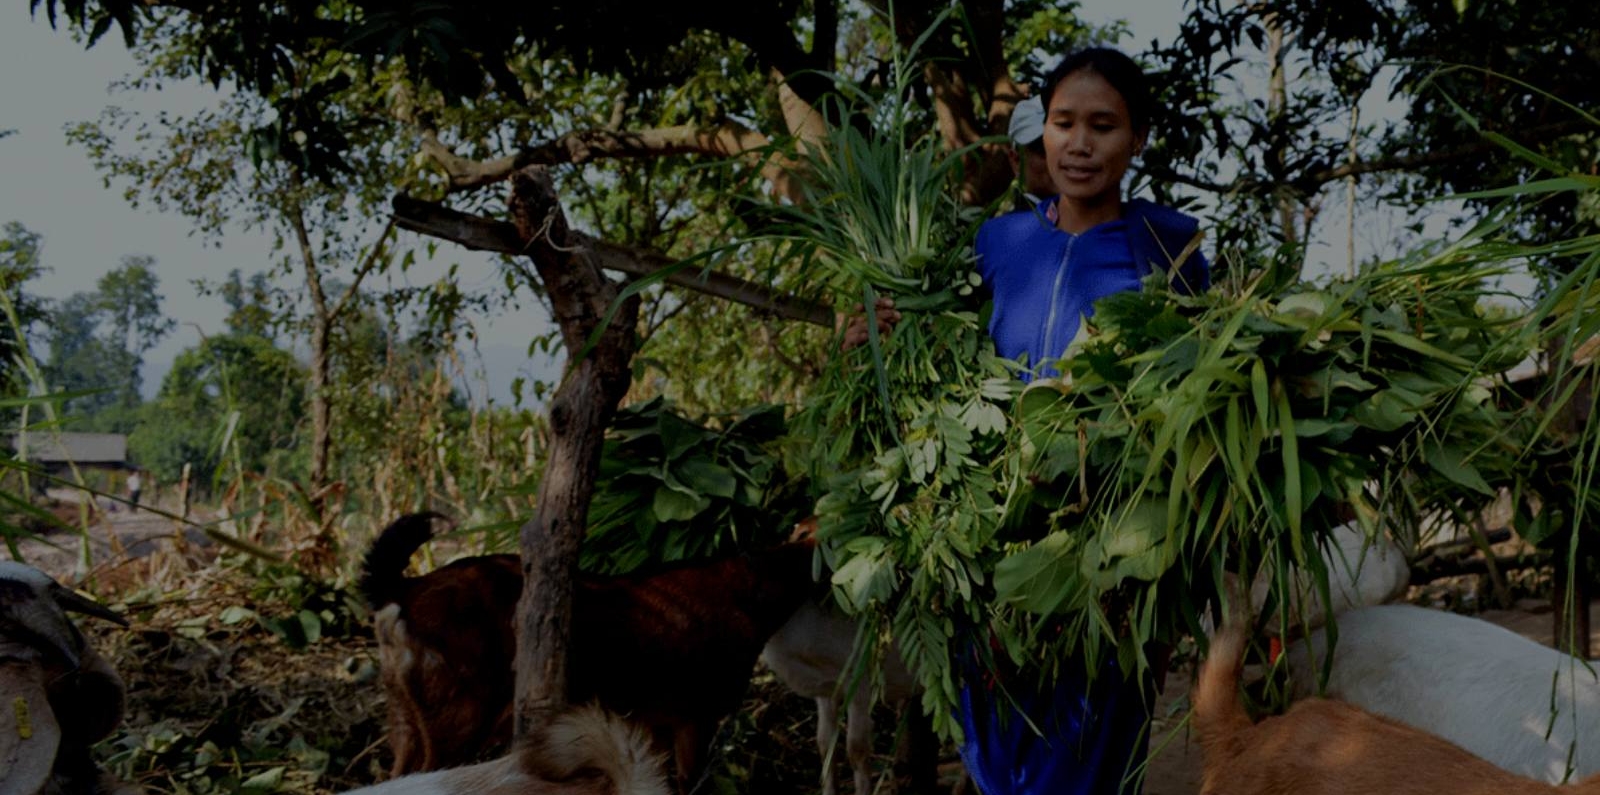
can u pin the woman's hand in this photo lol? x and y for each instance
(855, 325)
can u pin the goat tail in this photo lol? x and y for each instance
(588, 740)
(1219, 718)
(384, 569)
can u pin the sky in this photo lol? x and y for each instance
(49, 81)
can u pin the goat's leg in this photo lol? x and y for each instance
(688, 746)
(917, 753)
(827, 733)
(858, 737)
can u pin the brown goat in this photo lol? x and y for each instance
(585, 752)
(1325, 747)
(672, 649)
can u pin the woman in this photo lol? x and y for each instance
(1045, 269)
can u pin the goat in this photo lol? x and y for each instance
(1525, 707)
(673, 649)
(811, 655)
(61, 695)
(1326, 747)
(446, 648)
(584, 752)
(1360, 573)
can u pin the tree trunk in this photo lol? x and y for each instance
(1277, 102)
(325, 550)
(597, 378)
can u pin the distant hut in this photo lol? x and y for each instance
(102, 458)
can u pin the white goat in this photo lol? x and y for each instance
(1525, 707)
(60, 695)
(1359, 574)
(588, 751)
(812, 655)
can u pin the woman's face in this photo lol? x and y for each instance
(1089, 139)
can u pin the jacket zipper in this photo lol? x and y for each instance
(1055, 305)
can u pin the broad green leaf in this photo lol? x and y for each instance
(1041, 578)
(707, 477)
(672, 505)
(1448, 460)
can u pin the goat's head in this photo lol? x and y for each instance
(33, 611)
(54, 687)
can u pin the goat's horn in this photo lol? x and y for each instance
(69, 599)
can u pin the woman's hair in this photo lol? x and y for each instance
(1119, 70)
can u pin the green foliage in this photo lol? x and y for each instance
(20, 263)
(1194, 436)
(340, 47)
(902, 434)
(673, 489)
(99, 338)
(81, 361)
(233, 400)
(1462, 73)
(250, 309)
(1042, 31)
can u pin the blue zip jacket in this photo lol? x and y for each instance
(1045, 280)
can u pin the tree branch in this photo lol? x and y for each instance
(799, 117)
(1314, 179)
(362, 270)
(583, 146)
(484, 234)
(953, 107)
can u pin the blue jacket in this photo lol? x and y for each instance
(1044, 280)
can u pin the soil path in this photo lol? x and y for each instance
(118, 534)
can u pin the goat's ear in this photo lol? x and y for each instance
(805, 531)
(29, 733)
(72, 600)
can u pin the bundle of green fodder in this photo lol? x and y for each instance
(1188, 437)
(1228, 433)
(904, 434)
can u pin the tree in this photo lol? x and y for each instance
(132, 308)
(20, 251)
(100, 338)
(326, 228)
(229, 405)
(249, 303)
(79, 360)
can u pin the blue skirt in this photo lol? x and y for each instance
(1080, 738)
